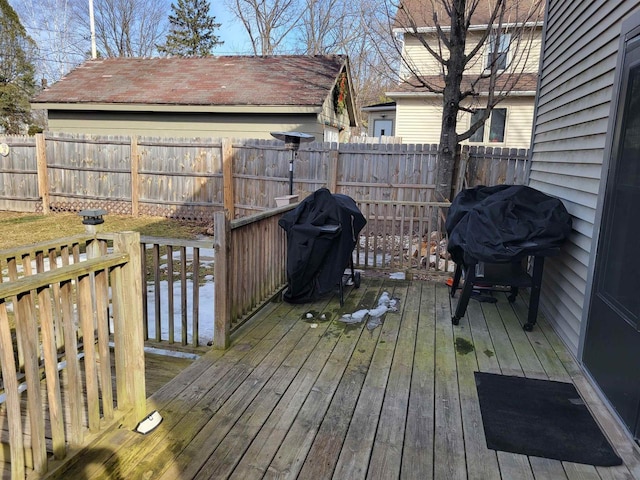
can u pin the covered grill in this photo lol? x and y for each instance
(492, 230)
(322, 232)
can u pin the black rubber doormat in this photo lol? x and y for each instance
(540, 418)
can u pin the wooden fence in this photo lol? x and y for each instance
(55, 327)
(192, 178)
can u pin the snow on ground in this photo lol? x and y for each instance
(205, 326)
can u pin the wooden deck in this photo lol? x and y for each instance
(314, 398)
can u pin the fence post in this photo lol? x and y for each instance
(222, 300)
(43, 176)
(227, 177)
(332, 172)
(135, 178)
(128, 331)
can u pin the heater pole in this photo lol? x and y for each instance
(291, 173)
(292, 142)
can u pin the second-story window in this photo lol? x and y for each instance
(498, 51)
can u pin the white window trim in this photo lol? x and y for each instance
(487, 130)
(504, 37)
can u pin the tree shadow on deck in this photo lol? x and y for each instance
(84, 464)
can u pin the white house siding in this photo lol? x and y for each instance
(418, 120)
(574, 102)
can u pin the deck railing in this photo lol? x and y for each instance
(250, 252)
(59, 311)
(174, 271)
(249, 268)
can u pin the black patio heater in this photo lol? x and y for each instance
(292, 142)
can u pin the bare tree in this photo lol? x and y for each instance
(323, 25)
(126, 28)
(60, 46)
(267, 22)
(443, 29)
(373, 53)
(359, 29)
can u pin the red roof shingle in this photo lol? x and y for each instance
(226, 80)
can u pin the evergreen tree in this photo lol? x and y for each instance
(192, 30)
(17, 83)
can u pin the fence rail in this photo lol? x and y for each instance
(192, 178)
(404, 236)
(178, 274)
(55, 328)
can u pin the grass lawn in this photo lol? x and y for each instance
(27, 228)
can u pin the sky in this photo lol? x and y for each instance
(231, 32)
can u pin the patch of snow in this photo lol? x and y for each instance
(206, 297)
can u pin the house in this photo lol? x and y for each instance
(585, 152)
(419, 109)
(227, 96)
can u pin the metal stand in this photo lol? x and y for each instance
(511, 274)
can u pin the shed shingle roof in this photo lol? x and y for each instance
(225, 80)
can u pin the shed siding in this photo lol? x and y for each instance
(573, 107)
(181, 125)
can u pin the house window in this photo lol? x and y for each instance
(498, 51)
(497, 123)
(478, 135)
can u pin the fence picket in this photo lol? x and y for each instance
(183, 178)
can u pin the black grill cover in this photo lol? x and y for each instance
(321, 234)
(504, 223)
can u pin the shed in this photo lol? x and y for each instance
(225, 96)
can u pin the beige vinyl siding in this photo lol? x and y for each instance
(418, 120)
(518, 124)
(181, 125)
(574, 104)
(418, 57)
(423, 63)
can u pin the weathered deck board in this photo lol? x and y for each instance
(311, 399)
(471, 348)
(449, 441)
(417, 458)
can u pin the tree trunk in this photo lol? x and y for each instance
(455, 66)
(447, 153)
